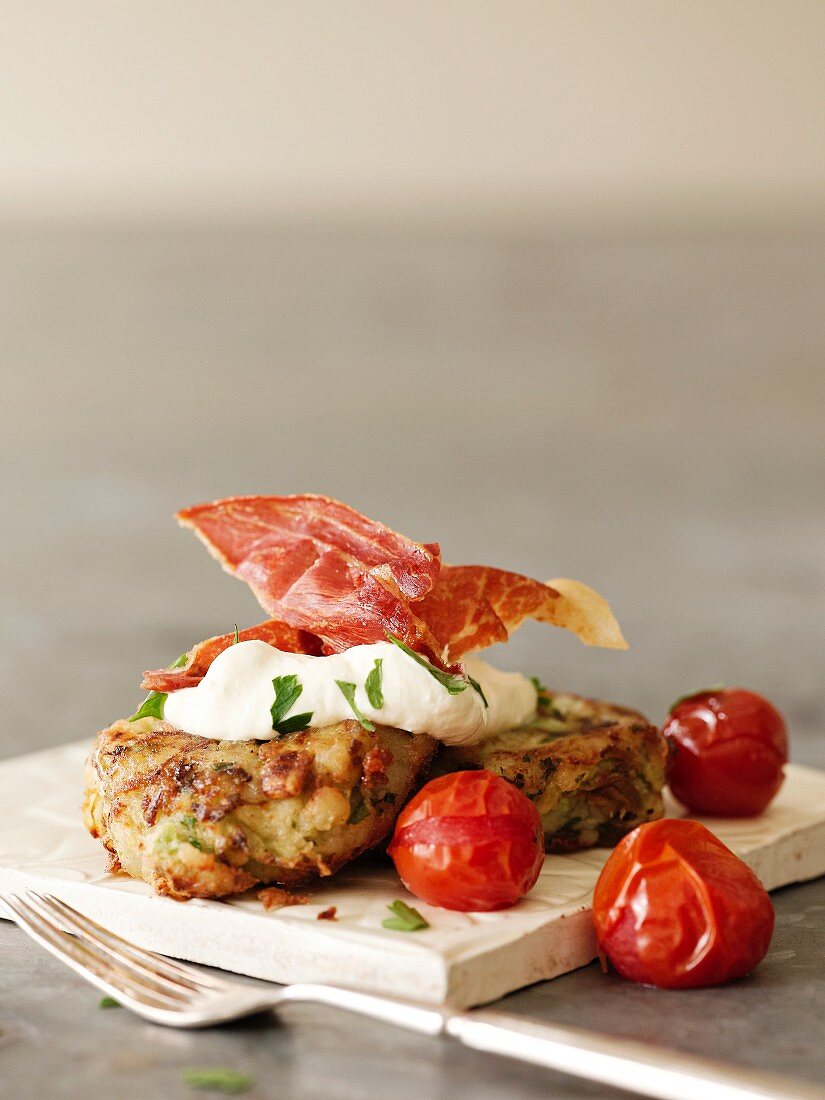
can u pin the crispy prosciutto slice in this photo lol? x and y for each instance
(333, 579)
(283, 637)
(473, 606)
(321, 567)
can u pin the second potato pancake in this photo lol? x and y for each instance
(594, 770)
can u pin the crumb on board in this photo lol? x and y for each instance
(273, 897)
(328, 914)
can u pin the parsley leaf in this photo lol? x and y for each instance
(237, 637)
(476, 686)
(295, 724)
(348, 691)
(287, 692)
(454, 684)
(152, 705)
(406, 918)
(373, 685)
(108, 1002)
(712, 690)
(219, 1079)
(545, 699)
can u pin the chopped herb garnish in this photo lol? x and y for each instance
(476, 686)
(702, 691)
(222, 766)
(287, 693)
(373, 685)
(454, 684)
(152, 705)
(237, 637)
(406, 918)
(348, 691)
(294, 724)
(219, 1079)
(358, 808)
(108, 1002)
(545, 698)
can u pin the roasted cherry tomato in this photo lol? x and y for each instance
(674, 907)
(728, 751)
(469, 841)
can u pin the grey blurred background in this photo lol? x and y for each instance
(542, 282)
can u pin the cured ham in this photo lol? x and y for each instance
(321, 567)
(474, 606)
(276, 634)
(333, 579)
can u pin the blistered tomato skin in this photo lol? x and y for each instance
(728, 749)
(469, 841)
(675, 908)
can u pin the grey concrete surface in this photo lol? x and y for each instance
(643, 413)
(56, 1042)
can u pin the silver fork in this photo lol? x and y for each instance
(170, 993)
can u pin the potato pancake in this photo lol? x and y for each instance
(594, 770)
(196, 817)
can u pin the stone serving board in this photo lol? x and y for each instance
(463, 959)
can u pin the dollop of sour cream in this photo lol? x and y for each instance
(233, 702)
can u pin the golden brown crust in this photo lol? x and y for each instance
(196, 817)
(594, 770)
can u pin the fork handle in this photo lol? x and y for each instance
(622, 1063)
(408, 1014)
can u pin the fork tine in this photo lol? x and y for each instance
(145, 975)
(81, 958)
(182, 977)
(163, 964)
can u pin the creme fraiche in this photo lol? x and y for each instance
(235, 699)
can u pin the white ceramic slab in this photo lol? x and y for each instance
(463, 958)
